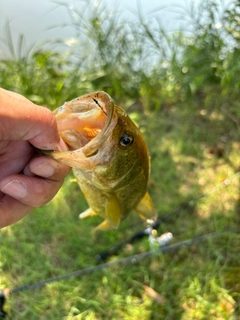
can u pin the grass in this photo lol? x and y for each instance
(191, 123)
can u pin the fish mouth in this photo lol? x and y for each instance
(85, 122)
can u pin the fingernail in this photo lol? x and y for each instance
(62, 146)
(44, 170)
(15, 189)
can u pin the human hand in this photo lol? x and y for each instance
(27, 181)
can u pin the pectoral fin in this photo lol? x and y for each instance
(112, 214)
(113, 211)
(145, 208)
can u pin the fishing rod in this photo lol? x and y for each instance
(132, 259)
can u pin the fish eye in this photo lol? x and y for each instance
(126, 140)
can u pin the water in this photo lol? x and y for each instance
(47, 22)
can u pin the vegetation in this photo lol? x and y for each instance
(183, 90)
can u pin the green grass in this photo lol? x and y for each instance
(191, 123)
(200, 282)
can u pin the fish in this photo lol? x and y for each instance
(109, 158)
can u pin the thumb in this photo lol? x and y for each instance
(23, 120)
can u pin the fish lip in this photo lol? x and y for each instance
(88, 103)
(91, 148)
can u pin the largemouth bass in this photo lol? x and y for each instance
(109, 157)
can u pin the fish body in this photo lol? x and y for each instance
(109, 157)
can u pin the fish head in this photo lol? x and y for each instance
(98, 132)
(102, 139)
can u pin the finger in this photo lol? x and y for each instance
(27, 121)
(30, 191)
(11, 211)
(47, 168)
(14, 94)
(21, 194)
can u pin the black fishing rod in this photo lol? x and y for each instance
(132, 259)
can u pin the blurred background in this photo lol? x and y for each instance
(174, 67)
(50, 15)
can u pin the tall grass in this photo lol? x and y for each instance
(136, 60)
(182, 87)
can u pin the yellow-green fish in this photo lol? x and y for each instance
(109, 157)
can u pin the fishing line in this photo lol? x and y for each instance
(98, 104)
(134, 258)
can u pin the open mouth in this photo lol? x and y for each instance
(84, 121)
